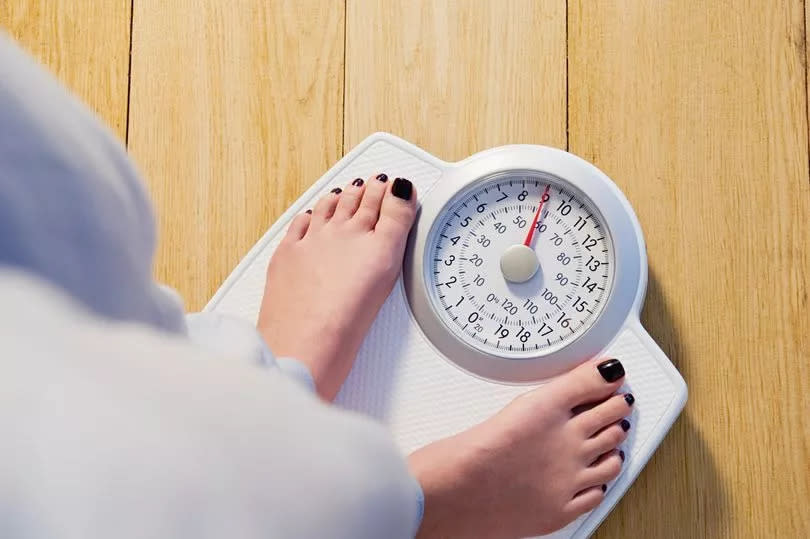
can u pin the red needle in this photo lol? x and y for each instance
(528, 242)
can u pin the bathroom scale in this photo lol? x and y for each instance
(523, 262)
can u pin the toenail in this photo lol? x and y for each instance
(402, 188)
(611, 370)
(358, 182)
(625, 425)
(621, 455)
(382, 177)
(629, 399)
(337, 190)
(309, 212)
(604, 488)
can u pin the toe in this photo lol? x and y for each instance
(593, 381)
(398, 210)
(298, 227)
(369, 210)
(349, 200)
(585, 501)
(604, 414)
(603, 442)
(604, 470)
(325, 208)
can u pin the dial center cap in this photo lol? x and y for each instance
(519, 263)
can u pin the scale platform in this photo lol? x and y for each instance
(402, 380)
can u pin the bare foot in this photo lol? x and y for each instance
(331, 274)
(535, 466)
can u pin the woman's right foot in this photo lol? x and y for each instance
(537, 465)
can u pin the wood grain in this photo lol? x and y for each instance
(698, 111)
(456, 77)
(235, 110)
(84, 42)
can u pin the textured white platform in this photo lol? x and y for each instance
(402, 381)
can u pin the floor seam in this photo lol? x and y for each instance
(567, 88)
(129, 70)
(806, 94)
(343, 109)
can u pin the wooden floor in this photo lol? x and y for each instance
(698, 110)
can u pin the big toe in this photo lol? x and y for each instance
(398, 210)
(591, 382)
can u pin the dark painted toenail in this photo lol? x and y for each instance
(402, 188)
(309, 212)
(382, 177)
(629, 399)
(611, 370)
(337, 190)
(358, 182)
(621, 455)
(604, 488)
(625, 425)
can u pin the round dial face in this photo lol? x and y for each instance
(519, 264)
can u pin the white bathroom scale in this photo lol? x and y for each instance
(524, 261)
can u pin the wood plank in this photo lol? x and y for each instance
(698, 111)
(234, 112)
(456, 77)
(85, 43)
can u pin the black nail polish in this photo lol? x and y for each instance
(337, 190)
(358, 182)
(604, 488)
(621, 455)
(629, 399)
(382, 177)
(625, 425)
(309, 212)
(611, 370)
(402, 188)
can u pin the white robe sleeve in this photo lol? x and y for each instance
(117, 430)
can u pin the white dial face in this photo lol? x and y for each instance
(510, 288)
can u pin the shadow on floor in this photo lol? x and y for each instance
(680, 493)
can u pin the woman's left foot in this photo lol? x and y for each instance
(331, 274)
